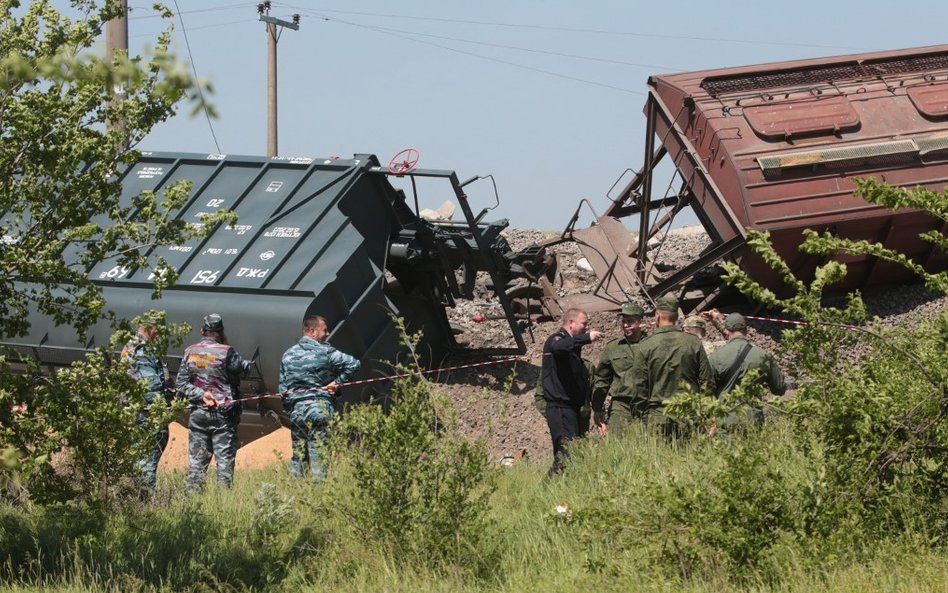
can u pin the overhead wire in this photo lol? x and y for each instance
(580, 29)
(154, 15)
(472, 54)
(187, 44)
(192, 29)
(415, 35)
(531, 50)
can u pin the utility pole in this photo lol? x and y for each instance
(116, 39)
(263, 9)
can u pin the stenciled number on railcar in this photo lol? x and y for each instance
(115, 273)
(206, 277)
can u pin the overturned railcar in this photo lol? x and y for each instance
(776, 147)
(330, 237)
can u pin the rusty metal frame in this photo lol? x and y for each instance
(698, 181)
(636, 198)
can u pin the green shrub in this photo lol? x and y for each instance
(417, 484)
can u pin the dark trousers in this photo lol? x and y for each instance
(563, 421)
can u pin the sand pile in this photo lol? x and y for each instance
(273, 448)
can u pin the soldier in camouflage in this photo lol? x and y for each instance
(616, 371)
(209, 376)
(309, 374)
(698, 325)
(723, 359)
(731, 362)
(665, 361)
(144, 365)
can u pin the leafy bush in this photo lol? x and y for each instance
(418, 484)
(62, 211)
(74, 434)
(875, 427)
(862, 459)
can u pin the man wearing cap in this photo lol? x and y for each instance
(208, 377)
(564, 384)
(145, 365)
(732, 361)
(615, 373)
(698, 325)
(310, 371)
(666, 360)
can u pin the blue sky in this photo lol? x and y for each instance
(545, 95)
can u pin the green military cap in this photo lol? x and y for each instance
(632, 309)
(667, 303)
(695, 321)
(735, 322)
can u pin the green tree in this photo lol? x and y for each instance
(878, 419)
(62, 211)
(893, 198)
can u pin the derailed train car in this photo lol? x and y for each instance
(330, 237)
(776, 147)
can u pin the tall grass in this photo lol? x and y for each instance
(626, 515)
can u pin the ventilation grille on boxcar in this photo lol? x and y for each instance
(823, 74)
(879, 153)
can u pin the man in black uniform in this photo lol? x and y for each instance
(564, 383)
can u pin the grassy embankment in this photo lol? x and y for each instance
(619, 531)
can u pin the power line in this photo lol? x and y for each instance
(531, 50)
(584, 30)
(192, 29)
(239, 6)
(187, 44)
(472, 54)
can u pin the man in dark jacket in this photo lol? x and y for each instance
(208, 377)
(309, 374)
(564, 383)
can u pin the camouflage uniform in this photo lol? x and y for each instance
(668, 358)
(615, 375)
(757, 358)
(215, 367)
(306, 368)
(144, 365)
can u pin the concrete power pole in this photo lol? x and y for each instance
(273, 36)
(116, 39)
